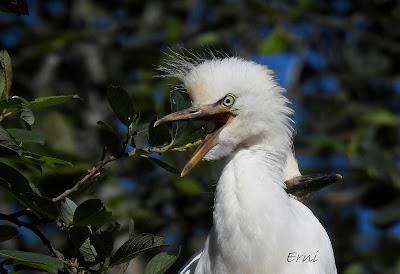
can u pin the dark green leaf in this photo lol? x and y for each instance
(7, 232)
(91, 213)
(184, 132)
(50, 101)
(67, 210)
(387, 215)
(80, 237)
(34, 260)
(275, 43)
(207, 39)
(13, 179)
(131, 229)
(381, 117)
(160, 263)
(5, 74)
(159, 135)
(112, 139)
(103, 240)
(110, 129)
(42, 206)
(135, 246)
(134, 125)
(189, 186)
(25, 136)
(301, 8)
(27, 115)
(15, 6)
(318, 140)
(14, 104)
(8, 142)
(46, 161)
(162, 164)
(121, 103)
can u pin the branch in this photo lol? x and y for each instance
(95, 171)
(92, 173)
(13, 219)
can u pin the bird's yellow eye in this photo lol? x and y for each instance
(229, 100)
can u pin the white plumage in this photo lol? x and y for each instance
(257, 227)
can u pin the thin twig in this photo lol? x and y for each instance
(13, 219)
(92, 173)
(23, 212)
(137, 152)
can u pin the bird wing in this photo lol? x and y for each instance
(300, 187)
(190, 266)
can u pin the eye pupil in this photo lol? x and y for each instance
(229, 100)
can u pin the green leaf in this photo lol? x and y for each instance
(387, 215)
(13, 179)
(46, 161)
(50, 101)
(162, 164)
(103, 240)
(172, 30)
(381, 117)
(27, 115)
(121, 103)
(8, 143)
(302, 7)
(159, 135)
(91, 213)
(207, 38)
(44, 207)
(25, 136)
(110, 129)
(323, 141)
(189, 186)
(67, 210)
(275, 43)
(80, 237)
(13, 104)
(135, 246)
(15, 6)
(34, 260)
(184, 132)
(160, 263)
(354, 268)
(131, 229)
(112, 139)
(7, 232)
(5, 74)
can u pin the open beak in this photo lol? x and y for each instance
(218, 114)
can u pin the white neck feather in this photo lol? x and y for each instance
(251, 185)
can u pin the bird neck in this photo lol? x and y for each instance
(251, 180)
(250, 201)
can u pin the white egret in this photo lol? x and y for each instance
(257, 227)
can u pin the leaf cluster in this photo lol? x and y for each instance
(89, 225)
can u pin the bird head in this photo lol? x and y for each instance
(241, 98)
